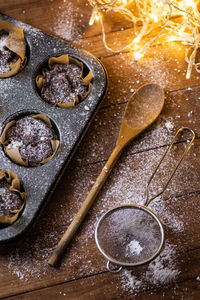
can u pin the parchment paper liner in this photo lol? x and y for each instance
(66, 59)
(14, 154)
(16, 43)
(14, 181)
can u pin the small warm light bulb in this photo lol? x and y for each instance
(154, 17)
(190, 3)
(137, 39)
(171, 38)
(124, 1)
(93, 17)
(97, 18)
(91, 22)
(138, 55)
(188, 75)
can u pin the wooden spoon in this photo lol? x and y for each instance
(141, 111)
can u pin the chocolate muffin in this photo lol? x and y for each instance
(9, 200)
(6, 55)
(63, 83)
(33, 138)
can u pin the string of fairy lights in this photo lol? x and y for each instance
(154, 22)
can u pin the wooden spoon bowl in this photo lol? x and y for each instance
(142, 110)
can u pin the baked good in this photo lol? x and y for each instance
(62, 83)
(9, 200)
(6, 55)
(30, 140)
(12, 49)
(12, 197)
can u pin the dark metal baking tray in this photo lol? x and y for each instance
(18, 97)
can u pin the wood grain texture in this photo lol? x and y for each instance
(82, 275)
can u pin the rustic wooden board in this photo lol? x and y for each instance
(101, 287)
(28, 260)
(82, 274)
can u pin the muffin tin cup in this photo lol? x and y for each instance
(86, 77)
(15, 42)
(14, 153)
(15, 186)
(19, 97)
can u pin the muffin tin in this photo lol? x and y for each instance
(19, 97)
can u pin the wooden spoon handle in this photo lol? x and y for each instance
(79, 217)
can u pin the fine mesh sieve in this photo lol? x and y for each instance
(131, 234)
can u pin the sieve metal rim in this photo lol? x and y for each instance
(135, 206)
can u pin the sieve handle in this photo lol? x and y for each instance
(115, 270)
(148, 200)
(79, 217)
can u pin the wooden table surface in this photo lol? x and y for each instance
(175, 273)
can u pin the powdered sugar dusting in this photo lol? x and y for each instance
(134, 247)
(161, 270)
(169, 125)
(3, 43)
(4, 53)
(65, 25)
(9, 200)
(30, 261)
